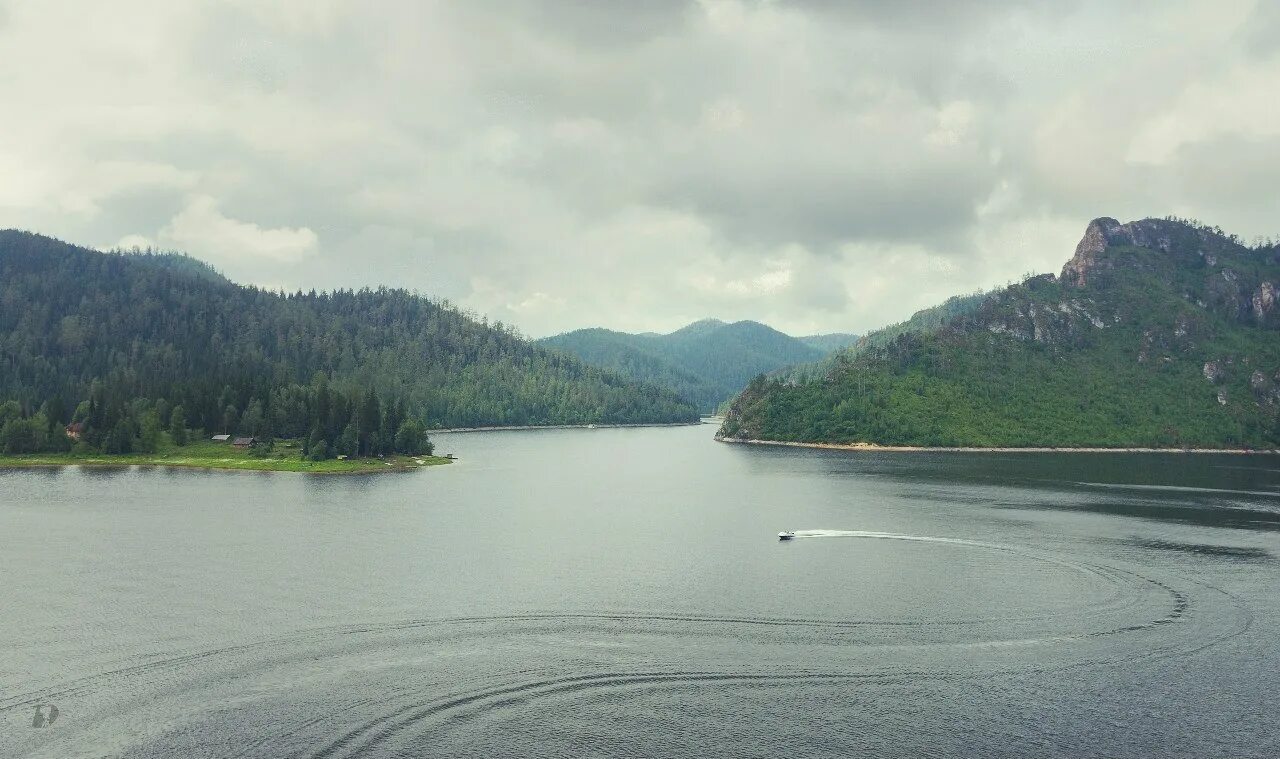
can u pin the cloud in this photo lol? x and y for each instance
(203, 230)
(1241, 102)
(815, 164)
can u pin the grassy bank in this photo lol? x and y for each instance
(207, 454)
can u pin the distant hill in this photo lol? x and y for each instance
(1160, 333)
(706, 362)
(829, 343)
(640, 358)
(131, 326)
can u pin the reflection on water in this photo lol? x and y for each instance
(623, 592)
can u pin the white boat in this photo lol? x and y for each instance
(786, 535)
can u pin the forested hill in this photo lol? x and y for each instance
(706, 362)
(1160, 332)
(924, 320)
(145, 326)
(831, 342)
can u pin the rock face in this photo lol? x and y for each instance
(1098, 236)
(1191, 245)
(1175, 322)
(1226, 288)
(1090, 257)
(1264, 301)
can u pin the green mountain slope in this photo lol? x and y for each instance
(830, 343)
(150, 326)
(924, 320)
(1157, 333)
(632, 357)
(706, 362)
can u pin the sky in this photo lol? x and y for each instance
(817, 165)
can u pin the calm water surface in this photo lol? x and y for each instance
(622, 593)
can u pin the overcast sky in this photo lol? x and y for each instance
(813, 164)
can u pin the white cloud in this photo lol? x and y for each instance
(203, 230)
(132, 242)
(1241, 102)
(815, 165)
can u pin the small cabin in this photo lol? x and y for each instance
(75, 430)
(243, 442)
(221, 438)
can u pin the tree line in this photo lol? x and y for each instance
(328, 421)
(120, 331)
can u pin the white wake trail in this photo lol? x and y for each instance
(890, 536)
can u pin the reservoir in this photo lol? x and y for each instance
(623, 592)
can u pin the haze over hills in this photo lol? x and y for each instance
(830, 342)
(707, 362)
(76, 322)
(1158, 332)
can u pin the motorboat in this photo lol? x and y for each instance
(786, 535)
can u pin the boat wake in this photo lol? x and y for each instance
(398, 687)
(891, 536)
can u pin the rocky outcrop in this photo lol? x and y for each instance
(1068, 322)
(1146, 305)
(1092, 257)
(1230, 286)
(1265, 389)
(1098, 236)
(1224, 295)
(1263, 301)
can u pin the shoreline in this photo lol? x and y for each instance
(289, 466)
(874, 448)
(517, 427)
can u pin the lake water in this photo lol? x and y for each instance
(622, 592)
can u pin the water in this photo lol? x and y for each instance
(622, 593)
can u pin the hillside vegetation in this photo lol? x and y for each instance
(112, 339)
(829, 343)
(924, 320)
(1157, 333)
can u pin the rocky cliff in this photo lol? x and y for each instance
(1158, 332)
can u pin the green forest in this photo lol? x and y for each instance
(1166, 336)
(137, 345)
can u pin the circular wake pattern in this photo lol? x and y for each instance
(401, 687)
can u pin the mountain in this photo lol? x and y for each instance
(831, 342)
(130, 326)
(1159, 332)
(924, 320)
(639, 358)
(706, 362)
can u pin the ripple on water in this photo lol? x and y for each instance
(553, 679)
